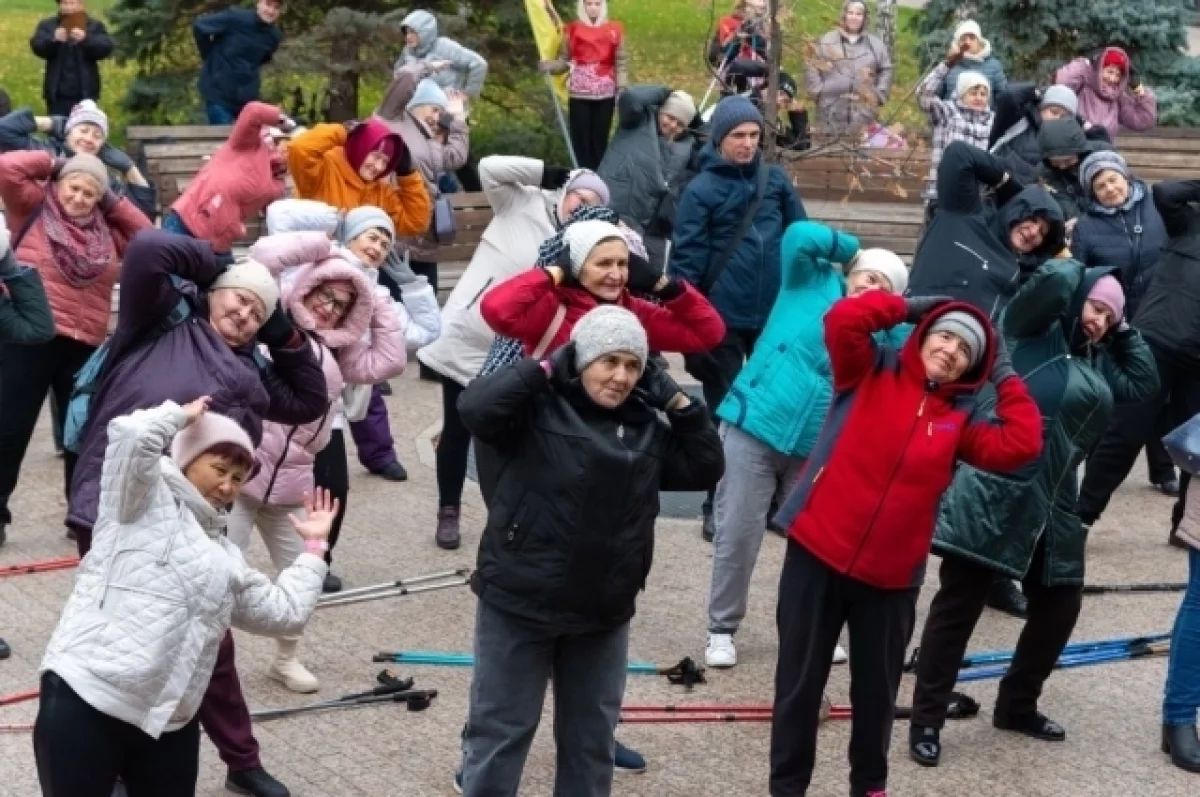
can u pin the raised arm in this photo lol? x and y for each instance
(1173, 198)
(522, 307)
(247, 130)
(296, 384)
(281, 608)
(938, 110)
(1129, 367)
(286, 250)
(685, 323)
(809, 247)
(1010, 106)
(1010, 441)
(131, 470)
(1137, 111)
(1042, 300)
(636, 100)
(126, 220)
(503, 178)
(695, 458)
(383, 354)
(408, 204)
(97, 45)
(466, 62)
(306, 156)
(495, 408)
(17, 130)
(961, 174)
(148, 294)
(1075, 74)
(23, 179)
(302, 215)
(401, 90)
(43, 43)
(850, 326)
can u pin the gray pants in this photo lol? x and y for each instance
(514, 660)
(754, 474)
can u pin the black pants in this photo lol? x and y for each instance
(1159, 467)
(590, 122)
(454, 447)
(62, 106)
(814, 603)
(81, 752)
(952, 617)
(1134, 425)
(331, 471)
(27, 373)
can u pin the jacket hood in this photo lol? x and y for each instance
(985, 52)
(974, 378)
(1072, 321)
(366, 137)
(210, 519)
(1061, 137)
(426, 27)
(1098, 82)
(581, 14)
(308, 278)
(1034, 201)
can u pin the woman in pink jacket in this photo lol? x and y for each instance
(1109, 94)
(69, 226)
(332, 300)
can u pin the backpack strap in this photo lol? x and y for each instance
(26, 226)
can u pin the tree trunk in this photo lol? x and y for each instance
(771, 111)
(886, 12)
(343, 79)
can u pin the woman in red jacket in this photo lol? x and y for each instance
(861, 517)
(541, 306)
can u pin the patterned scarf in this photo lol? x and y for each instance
(82, 248)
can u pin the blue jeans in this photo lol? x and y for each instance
(172, 223)
(1181, 698)
(219, 114)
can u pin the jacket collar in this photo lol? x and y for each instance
(973, 379)
(209, 518)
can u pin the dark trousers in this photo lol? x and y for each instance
(590, 121)
(814, 603)
(373, 435)
(952, 617)
(454, 447)
(81, 752)
(61, 106)
(331, 471)
(27, 374)
(1134, 425)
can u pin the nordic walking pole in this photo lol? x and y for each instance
(19, 697)
(387, 689)
(394, 593)
(44, 566)
(1079, 660)
(1102, 589)
(462, 572)
(1083, 646)
(562, 123)
(468, 660)
(415, 699)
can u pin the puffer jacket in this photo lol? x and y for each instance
(80, 313)
(1112, 108)
(346, 354)
(983, 62)
(468, 68)
(1016, 133)
(843, 72)
(162, 585)
(952, 121)
(25, 316)
(710, 212)
(234, 45)
(572, 493)
(1167, 314)
(996, 519)
(72, 68)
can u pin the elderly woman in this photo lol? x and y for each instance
(1110, 94)
(188, 327)
(976, 57)
(849, 73)
(73, 230)
(573, 454)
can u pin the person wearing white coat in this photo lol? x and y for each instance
(128, 665)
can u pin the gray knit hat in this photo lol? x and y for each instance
(965, 326)
(731, 112)
(82, 163)
(1097, 162)
(1062, 96)
(364, 218)
(606, 329)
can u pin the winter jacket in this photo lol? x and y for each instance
(951, 120)
(72, 68)
(850, 79)
(187, 361)
(287, 451)
(1060, 138)
(525, 215)
(1168, 314)
(1112, 108)
(1017, 126)
(983, 62)
(25, 315)
(572, 493)
(782, 394)
(594, 53)
(80, 313)
(18, 131)
(710, 212)
(244, 176)
(467, 69)
(997, 519)
(234, 45)
(1130, 240)
(162, 585)
(965, 252)
(891, 441)
(317, 162)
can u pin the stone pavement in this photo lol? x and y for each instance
(1111, 711)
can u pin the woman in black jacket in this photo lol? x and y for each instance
(572, 454)
(73, 44)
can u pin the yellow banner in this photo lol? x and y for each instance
(547, 33)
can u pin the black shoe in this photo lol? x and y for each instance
(1005, 597)
(427, 374)
(5, 650)
(1169, 488)
(1173, 539)
(1180, 742)
(385, 388)
(1035, 725)
(708, 527)
(393, 473)
(3, 532)
(924, 745)
(255, 782)
(71, 534)
(331, 584)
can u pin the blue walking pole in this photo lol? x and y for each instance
(434, 658)
(1083, 659)
(1084, 646)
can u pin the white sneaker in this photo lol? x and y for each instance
(293, 675)
(839, 655)
(720, 652)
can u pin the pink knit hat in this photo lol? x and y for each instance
(1108, 292)
(373, 136)
(209, 430)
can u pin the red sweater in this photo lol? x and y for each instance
(867, 503)
(524, 307)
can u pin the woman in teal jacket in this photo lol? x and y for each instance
(774, 410)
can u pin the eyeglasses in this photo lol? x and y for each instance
(330, 299)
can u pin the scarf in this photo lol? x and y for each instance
(1137, 192)
(82, 249)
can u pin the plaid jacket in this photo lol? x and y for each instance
(952, 121)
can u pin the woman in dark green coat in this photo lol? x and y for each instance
(1078, 357)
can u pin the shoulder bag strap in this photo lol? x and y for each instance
(26, 226)
(718, 267)
(552, 330)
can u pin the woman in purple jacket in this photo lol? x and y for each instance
(187, 327)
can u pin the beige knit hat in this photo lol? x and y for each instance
(90, 165)
(250, 275)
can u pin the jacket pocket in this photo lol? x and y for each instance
(517, 529)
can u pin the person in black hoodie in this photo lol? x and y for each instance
(73, 45)
(1021, 111)
(1063, 146)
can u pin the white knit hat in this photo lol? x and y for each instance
(967, 26)
(968, 80)
(209, 430)
(583, 236)
(886, 263)
(607, 329)
(250, 275)
(87, 112)
(680, 105)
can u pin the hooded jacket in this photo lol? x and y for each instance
(892, 439)
(843, 72)
(1168, 315)
(965, 252)
(467, 70)
(952, 121)
(234, 45)
(997, 519)
(1017, 126)
(1112, 108)
(1060, 138)
(985, 63)
(72, 68)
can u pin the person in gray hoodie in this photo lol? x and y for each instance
(849, 73)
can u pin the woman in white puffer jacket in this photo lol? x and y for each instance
(130, 660)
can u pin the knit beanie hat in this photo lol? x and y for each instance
(587, 180)
(1108, 291)
(1062, 96)
(680, 105)
(965, 27)
(372, 136)
(1115, 56)
(731, 112)
(87, 112)
(968, 80)
(250, 275)
(787, 84)
(886, 263)
(82, 163)
(1097, 162)
(429, 93)
(210, 429)
(583, 236)
(363, 218)
(967, 327)
(606, 329)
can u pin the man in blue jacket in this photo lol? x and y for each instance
(234, 44)
(731, 257)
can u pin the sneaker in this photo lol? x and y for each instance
(626, 760)
(293, 675)
(393, 473)
(839, 655)
(720, 652)
(331, 584)
(458, 782)
(255, 782)
(708, 527)
(447, 535)
(924, 745)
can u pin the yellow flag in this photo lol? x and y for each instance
(548, 36)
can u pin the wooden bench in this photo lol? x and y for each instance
(863, 175)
